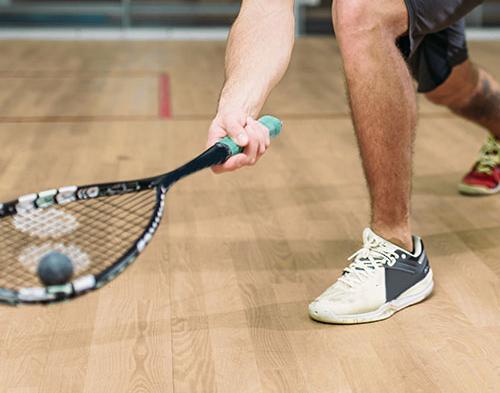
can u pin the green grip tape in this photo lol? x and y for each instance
(272, 123)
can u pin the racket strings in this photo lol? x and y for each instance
(101, 244)
(107, 230)
(125, 205)
(100, 225)
(94, 233)
(119, 213)
(127, 229)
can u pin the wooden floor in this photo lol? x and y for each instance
(218, 302)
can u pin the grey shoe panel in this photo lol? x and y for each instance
(405, 273)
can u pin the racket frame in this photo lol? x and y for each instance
(71, 194)
(214, 155)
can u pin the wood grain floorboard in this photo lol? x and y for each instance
(218, 302)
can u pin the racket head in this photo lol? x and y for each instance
(102, 228)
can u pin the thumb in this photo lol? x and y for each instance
(237, 133)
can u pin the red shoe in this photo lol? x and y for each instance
(484, 177)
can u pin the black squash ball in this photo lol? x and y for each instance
(55, 268)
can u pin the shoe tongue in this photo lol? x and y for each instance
(369, 235)
(493, 140)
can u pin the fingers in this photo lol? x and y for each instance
(215, 133)
(263, 132)
(248, 157)
(252, 135)
(258, 134)
(233, 163)
(232, 127)
(237, 132)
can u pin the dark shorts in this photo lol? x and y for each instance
(436, 39)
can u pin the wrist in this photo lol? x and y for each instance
(232, 102)
(233, 109)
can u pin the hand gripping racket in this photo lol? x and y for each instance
(102, 228)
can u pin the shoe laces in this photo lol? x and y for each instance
(374, 254)
(489, 156)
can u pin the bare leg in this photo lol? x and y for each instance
(473, 94)
(383, 106)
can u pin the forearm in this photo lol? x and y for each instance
(257, 55)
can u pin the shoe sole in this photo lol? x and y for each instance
(413, 295)
(467, 189)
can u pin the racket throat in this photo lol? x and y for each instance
(217, 154)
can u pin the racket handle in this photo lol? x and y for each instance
(272, 123)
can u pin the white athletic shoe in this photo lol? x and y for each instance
(382, 279)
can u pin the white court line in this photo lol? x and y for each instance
(485, 34)
(135, 34)
(165, 34)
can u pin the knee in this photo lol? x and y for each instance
(458, 89)
(358, 19)
(446, 98)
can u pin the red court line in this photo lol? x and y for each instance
(183, 117)
(165, 110)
